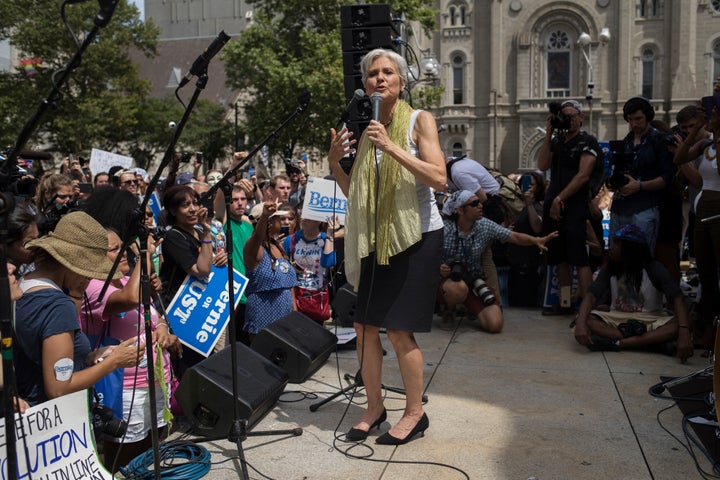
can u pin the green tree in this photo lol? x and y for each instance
(103, 101)
(294, 46)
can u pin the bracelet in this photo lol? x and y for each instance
(206, 242)
(162, 324)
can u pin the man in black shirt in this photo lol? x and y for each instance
(570, 154)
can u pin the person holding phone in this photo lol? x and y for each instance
(271, 276)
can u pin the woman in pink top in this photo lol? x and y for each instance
(121, 310)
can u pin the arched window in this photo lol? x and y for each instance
(716, 59)
(453, 15)
(557, 58)
(457, 149)
(458, 75)
(648, 72)
(462, 15)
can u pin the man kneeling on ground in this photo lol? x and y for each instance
(467, 234)
(635, 283)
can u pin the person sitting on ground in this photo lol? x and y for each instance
(636, 318)
(467, 233)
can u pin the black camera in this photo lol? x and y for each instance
(52, 216)
(668, 139)
(483, 292)
(186, 157)
(456, 271)
(558, 120)
(105, 421)
(159, 232)
(621, 165)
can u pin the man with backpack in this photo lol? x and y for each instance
(571, 154)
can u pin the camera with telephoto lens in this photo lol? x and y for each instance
(621, 165)
(105, 421)
(558, 120)
(456, 271)
(483, 292)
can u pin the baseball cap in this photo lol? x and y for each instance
(572, 103)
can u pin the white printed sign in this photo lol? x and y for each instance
(59, 440)
(102, 161)
(323, 200)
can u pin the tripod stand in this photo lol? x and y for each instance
(238, 431)
(357, 382)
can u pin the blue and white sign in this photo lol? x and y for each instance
(199, 313)
(154, 204)
(324, 200)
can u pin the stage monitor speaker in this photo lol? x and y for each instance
(205, 391)
(344, 305)
(365, 15)
(297, 344)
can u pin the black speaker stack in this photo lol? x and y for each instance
(364, 28)
(290, 350)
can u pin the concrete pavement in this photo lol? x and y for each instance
(528, 402)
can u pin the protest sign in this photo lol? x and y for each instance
(102, 161)
(59, 441)
(323, 200)
(199, 313)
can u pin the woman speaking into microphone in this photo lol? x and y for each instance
(393, 240)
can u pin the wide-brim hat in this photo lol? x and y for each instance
(80, 244)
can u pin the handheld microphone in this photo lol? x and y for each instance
(376, 100)
(201, 63)
(357, 96)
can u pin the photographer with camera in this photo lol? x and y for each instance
(570, 153)
(646, 170)
(54, 198)
(466, 234)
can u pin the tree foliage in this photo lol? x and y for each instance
(294, 46)
(104, 98)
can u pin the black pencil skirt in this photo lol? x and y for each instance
(401, 295)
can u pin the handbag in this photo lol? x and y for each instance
(315, 304)
(109, 389)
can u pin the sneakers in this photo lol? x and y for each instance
(603, 344)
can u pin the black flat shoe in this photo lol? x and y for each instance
(419, 428)
(357, 435)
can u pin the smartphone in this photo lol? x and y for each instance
(247, 175)
(710, 103)
(526, 182)
(85, 187)
(285, 230)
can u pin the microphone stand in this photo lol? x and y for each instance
(144, 277)
(6, 342)
(101, 20)
(238, 432)
(6, 206)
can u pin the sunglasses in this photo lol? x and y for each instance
(474, 203)
(130, 182)
(149, 214)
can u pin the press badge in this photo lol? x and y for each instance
(63, 369)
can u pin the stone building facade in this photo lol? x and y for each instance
(503, 61)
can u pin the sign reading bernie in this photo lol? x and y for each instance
(199, 313)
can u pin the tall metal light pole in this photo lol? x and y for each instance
(585, 41)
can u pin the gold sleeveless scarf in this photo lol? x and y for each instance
(383, 218)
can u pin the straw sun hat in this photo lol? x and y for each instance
(80, 244)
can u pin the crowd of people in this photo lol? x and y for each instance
(424, 233)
